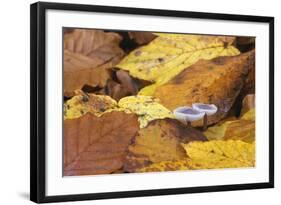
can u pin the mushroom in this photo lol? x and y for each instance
(187, 114)
(207, 109)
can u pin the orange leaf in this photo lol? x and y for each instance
(160, 141)
(218, 81)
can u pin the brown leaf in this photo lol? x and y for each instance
(218, 81)
(127, 82)
(115, 90)
(160, 141)
(81, 70)
(125, 86)
(96, 145)
(88, 56)
(100, 46)
(142, 38)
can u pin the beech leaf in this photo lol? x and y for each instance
(169, 54)
(160, 141)
(218, 81)
(221, 154)
(80, 70)
(97, 145)
(83, 103)
(209, 155)
(88, 56)
(102, 47)
(146, 107)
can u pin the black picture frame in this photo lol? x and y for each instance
(38, 101)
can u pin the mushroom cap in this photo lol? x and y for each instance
(209, 109)
(186, 113)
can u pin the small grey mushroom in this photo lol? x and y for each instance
(187, 114)
(207, 109)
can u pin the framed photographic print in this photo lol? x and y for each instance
(129, 102)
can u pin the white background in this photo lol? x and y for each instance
(14, 101)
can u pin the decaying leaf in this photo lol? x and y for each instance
(146, 107)
(217, 82)
(169, 54)
(102, 47)
(83, 103)
(209, 155)
(125, 86)
(239, 129)
(80, 70)
(97, 145)
(221, 154)
(160, 141)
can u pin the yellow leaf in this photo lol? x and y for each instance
(250, 115)
(209, 155)
(168, 54)
(172, 165)
(159, 141)
(146, 107)
(217, 132)
(240, 129)
(83, 103)
(221, 154)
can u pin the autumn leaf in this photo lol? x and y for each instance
(250, 115)
(209, 155)
(124, 86)
(172, 165)
(239, 129)
(248, 103)
(140, 37)
(146, 107)
(169, 54)
(81, 70)
(97, 145)
(83, 103)
(160, 141)
(221, 154)
(102, 47)
(218, 81)
(88, 56)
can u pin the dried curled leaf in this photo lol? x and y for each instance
(239, 129)
(97, 145)
(209, 155)
(83, 103)
(146, 107)
(218, 82)
(169, 54)
(221, 154)
(140, 37)
(160, 141)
